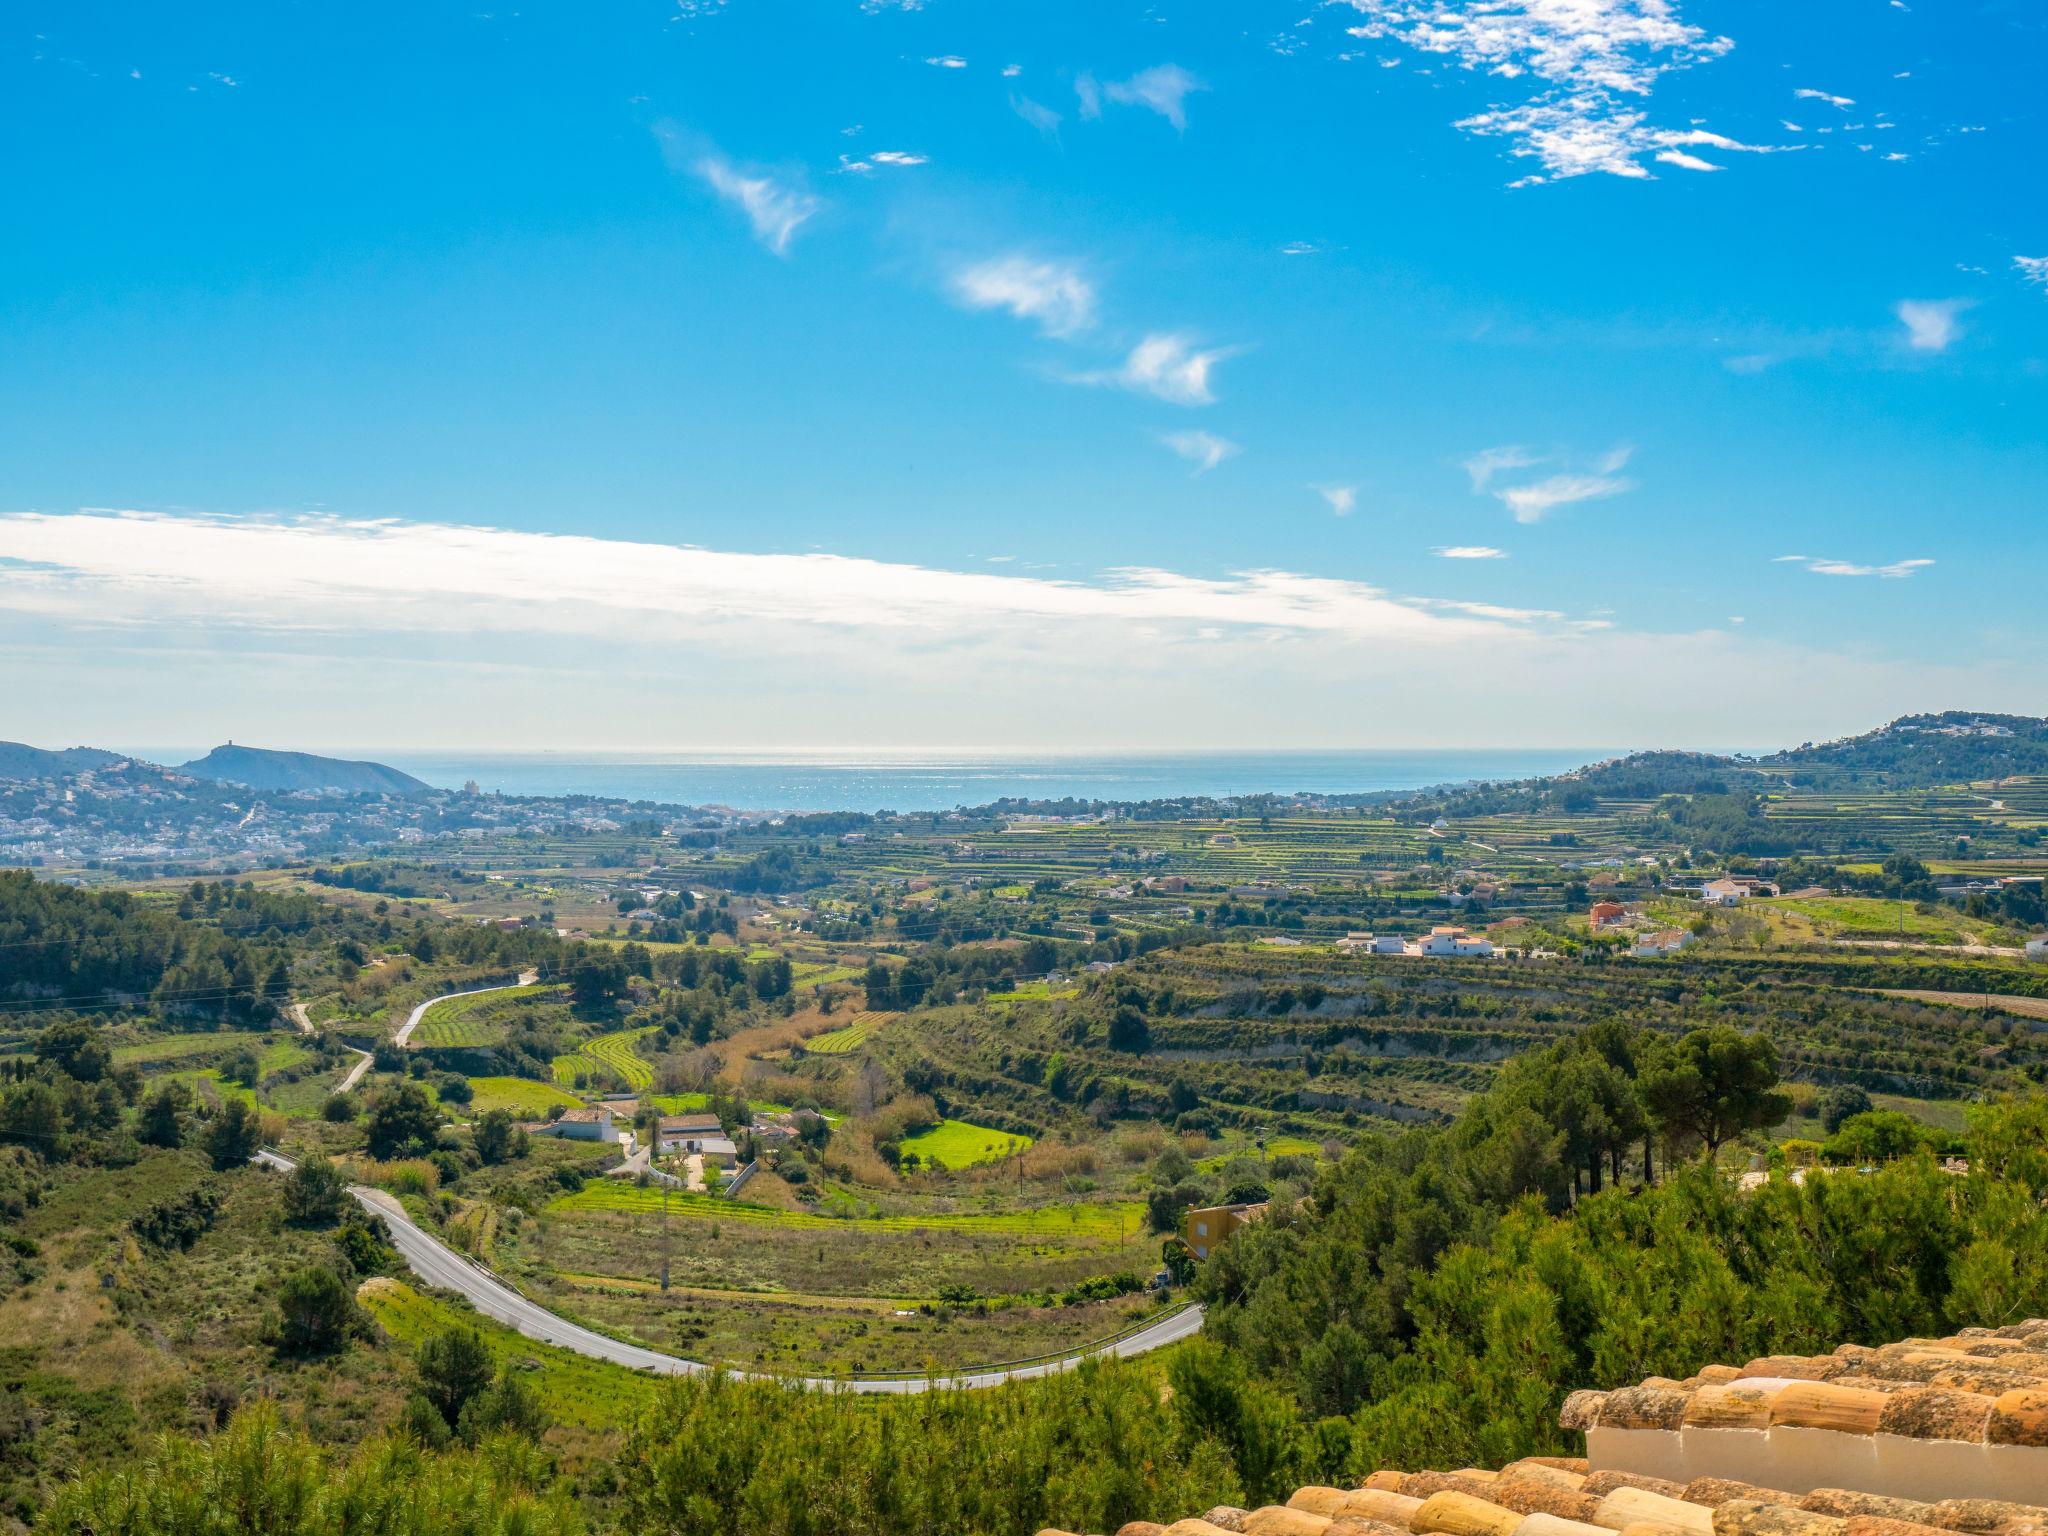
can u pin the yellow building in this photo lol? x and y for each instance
(1206, 1227)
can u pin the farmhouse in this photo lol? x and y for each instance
(1723, 893)
(1208, 1227)
(1606, 913)
(1453, 941)
(682, 1133)
(592, 1122)
(1666, 941)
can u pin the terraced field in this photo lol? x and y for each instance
(606, 1057)
(839, 1042)
(480, 1018)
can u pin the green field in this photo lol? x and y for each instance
(1093, 1221)
(1868, 917)
(183, 1047)
(524, 1097)
(959, 1144)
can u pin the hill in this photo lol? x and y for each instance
(1920, 751)
(260, 768)
(18, 761)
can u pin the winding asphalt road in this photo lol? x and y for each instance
(435, 1263)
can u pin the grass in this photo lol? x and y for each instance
(1091, 1221)
(961, 1144)
(589, 1393)
(183, 1047)
(1869, 917)
(524, 1097)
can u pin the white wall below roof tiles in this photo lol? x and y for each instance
(1799, 1460)
(1652, 1452)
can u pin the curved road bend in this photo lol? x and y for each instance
(439, 1265)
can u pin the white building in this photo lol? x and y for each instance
(1667, 941)
(1723, 893)
(591, 1123)
(1453, 941)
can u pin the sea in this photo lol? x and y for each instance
(942, 781)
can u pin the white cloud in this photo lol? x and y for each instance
(1012, 71)
(1164, 88)
(1053, 294)
(323, 573)
(947, 61)
(1470, 552)
(1089, 94)
(774, 209)
(1166, 365)
(1532, 503)
(2032, 269)
(1590, 63)
(343, 636)
(1898, 570)
(1749, 362)
(1807, 93)
(1204, 450)
(1488, 462)
(1301, 248)
(1039, 116)
(1931, 324)
(898, 157)
(1343, 499)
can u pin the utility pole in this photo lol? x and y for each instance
(664, 1236)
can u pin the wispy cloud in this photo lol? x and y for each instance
(1532, 503)
(1932, 325)
(1898, 570)
(1343, 499)
(322, 573)
(1488, 462)
(775, 208)
(947, 61)
(1204, 450)
(1053, 294)
(1037, 114)
(1470, 552)
(1591, 64)
(1164, 88)
(2032, 269)
(1807, 93)
(898, 157)
(1167, 365)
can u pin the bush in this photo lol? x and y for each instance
(402, 1121)
(314, 1193)
(316, 1313)
(453, 1367)
(339, 1109)
(233, 1134)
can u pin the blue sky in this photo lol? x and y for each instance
(979, 374)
